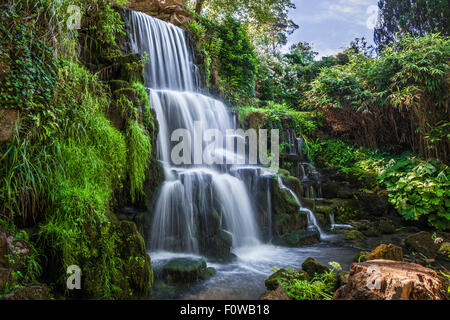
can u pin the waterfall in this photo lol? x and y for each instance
(189, 192)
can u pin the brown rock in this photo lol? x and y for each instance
(386, 252)
(277, 294)
(422, 243)
(391, 280)
(8, 120)
(172, 11)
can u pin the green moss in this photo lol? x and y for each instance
(354, 235)
(139, 158)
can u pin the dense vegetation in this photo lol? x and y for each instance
(394, 105)
(83, 142)
(67, 164)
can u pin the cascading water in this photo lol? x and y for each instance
(188, 192)
(198, 194)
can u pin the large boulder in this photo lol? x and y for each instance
(423, 243)
(273, 282)
(386, 252)
(184, 270)
(312, 267)
(391, 280)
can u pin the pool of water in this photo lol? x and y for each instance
(243, 278)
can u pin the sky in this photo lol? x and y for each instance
(331, 25)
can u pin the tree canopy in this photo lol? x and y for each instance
(416, 17)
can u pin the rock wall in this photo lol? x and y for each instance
(173, 11)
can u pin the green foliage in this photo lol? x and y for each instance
(417, 17)
(321, 287)
(268, 20)
(415, 187)
(398, 101)
(278, 116)
(138, 158)
(230, 61)
(286, 78)
(27, 64)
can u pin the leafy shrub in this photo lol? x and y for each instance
(415, 187)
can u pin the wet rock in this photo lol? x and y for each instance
(312, 267)
(330, 189)
(38, 292)
(423, 243)
(386, 227)
(300, 239)
(273, 282)
(372, 204)
(391, 280)
(386, 252)
(354, 235)
(184, 270)
(277, 294)
(289, 223)
(371, 232)
(208, 274)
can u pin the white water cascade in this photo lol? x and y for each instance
(189, 191)
(193, 193)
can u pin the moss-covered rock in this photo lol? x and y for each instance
(209, 273)
(386, 252)
(299, 239)
(273, 282)
(423, 243)
(184, 270)
(287, 217)
(312, 267)
(354, 235)
(386, 227)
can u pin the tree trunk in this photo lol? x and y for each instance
(199, 6)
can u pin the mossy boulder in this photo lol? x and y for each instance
(213, 241)
(184, 270)
(386, 252)
(118, 84)
(300, 239)
(208, 274)
(287, 217)
(291, 182)
(273, 282)
(354, 235)
(371, 232)
(309, 203)
(386, 227)
(423, 243)
(312, 267)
